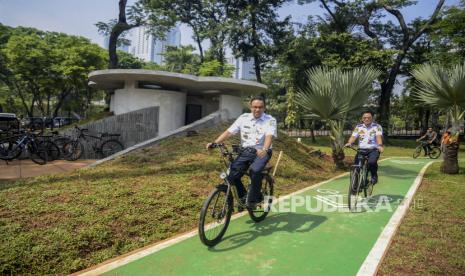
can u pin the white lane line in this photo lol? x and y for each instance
(372, 262)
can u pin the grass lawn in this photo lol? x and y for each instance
(431, 238)
(63, 223)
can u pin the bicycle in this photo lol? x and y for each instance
(13, 146)
(359, 179)
(434, 153)
(217, 209)
(104, 147)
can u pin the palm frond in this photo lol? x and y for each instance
(331, 93)
(440, 87)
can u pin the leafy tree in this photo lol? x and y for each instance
(129, 18)
(45, 69)
(128, 61)
(182, 59)
(190, 13)
(331, 95)
(366, 15)
(215, 68)
(257, 33)
(444, 88)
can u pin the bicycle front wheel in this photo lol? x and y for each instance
(354, 188)
(262, 209)
(38, 153)
(111, 147)
(9, 150)
(417, 152)
(434, 153)
(215, 216)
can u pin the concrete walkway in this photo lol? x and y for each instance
(26, 168)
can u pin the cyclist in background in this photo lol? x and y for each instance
(370, 138)
(430, 137)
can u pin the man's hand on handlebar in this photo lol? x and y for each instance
(212, 145)
(348, 145)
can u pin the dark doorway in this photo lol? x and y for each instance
(193, 113)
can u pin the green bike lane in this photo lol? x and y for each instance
(318, 237)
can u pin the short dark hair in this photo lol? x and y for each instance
(368, 111)
(258, 98)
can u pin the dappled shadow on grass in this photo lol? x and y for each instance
(282, 222)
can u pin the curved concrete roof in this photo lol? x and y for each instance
(115, 79)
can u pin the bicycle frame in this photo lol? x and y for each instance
(224, 175)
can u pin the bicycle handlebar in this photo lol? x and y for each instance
(359, 149)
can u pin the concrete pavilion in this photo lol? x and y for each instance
(182, 99)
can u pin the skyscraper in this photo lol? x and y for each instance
(243, 69)
(147, 47)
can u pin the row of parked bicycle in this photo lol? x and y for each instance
(41, 148)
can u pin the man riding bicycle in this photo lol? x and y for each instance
(430, 136)
(370, 141)
(257, 132)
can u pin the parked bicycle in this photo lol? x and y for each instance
(359, 179)
(218, 207)
(12, 147)
(104, 144)
(434, 152)
(54, 143)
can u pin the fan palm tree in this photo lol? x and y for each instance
(331, 94)
(444, 88)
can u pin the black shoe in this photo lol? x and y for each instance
(374, 180)
(252, 204)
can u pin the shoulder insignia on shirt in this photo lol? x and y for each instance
(272, 122)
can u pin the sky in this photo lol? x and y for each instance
(77, 17)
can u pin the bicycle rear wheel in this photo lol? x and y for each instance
(354, 188)
(53, 152)
(417, 152)
(60, 142)
(215, 216)
(435, 152)
(73, 150)
(111, 147)
(262, 209)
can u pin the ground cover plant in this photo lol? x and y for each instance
(63, 223)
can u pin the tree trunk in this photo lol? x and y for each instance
(337, 143)
(425, 120)
(199, 42)
(256, 46)
(386, 92)
(451, 163)
(312, 131)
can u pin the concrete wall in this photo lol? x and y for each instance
(134, 127)
(209, 103)
(208, 121)
(172, 105)
(232, 104)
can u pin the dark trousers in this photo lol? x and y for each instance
(427, 148)
(373, 156)
(248, 159)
